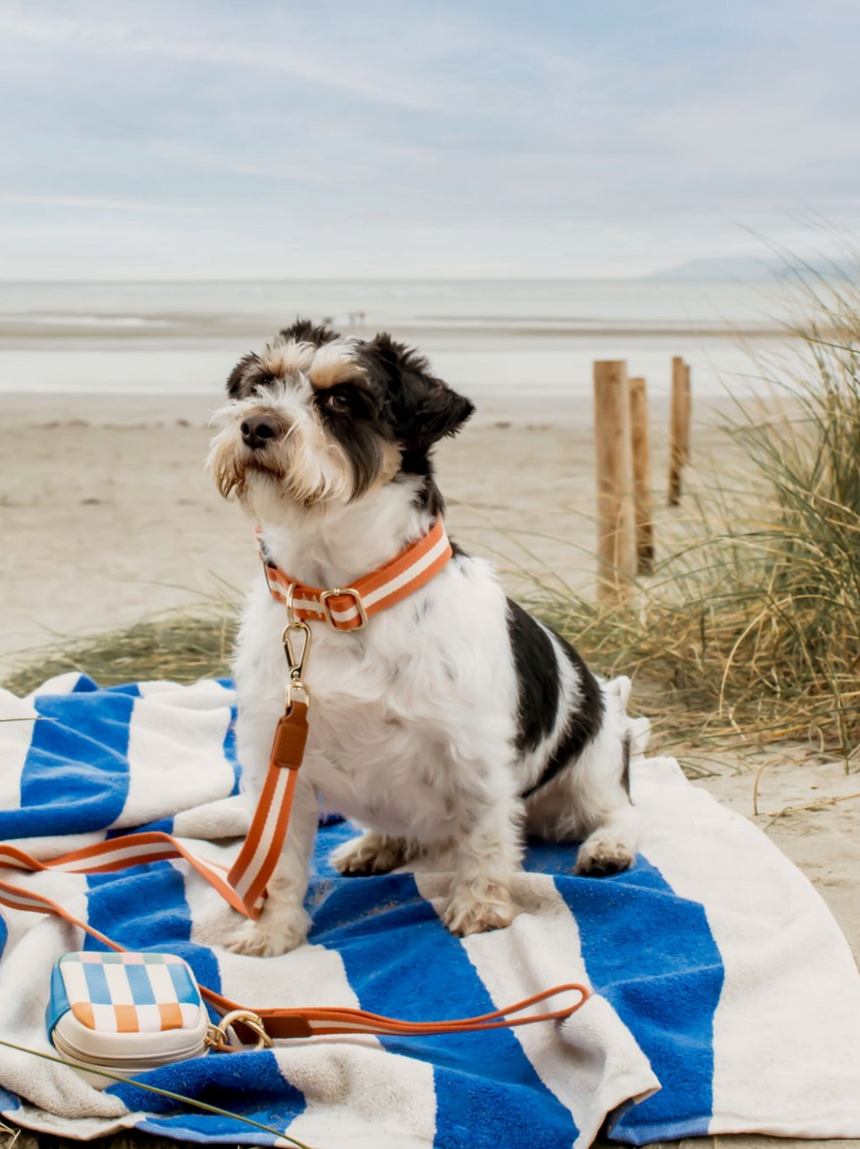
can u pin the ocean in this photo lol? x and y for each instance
(535, 339)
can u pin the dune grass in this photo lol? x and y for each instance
(180, 647)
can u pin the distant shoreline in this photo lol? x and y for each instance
(178, 329)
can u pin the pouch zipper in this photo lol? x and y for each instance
(141, 1063)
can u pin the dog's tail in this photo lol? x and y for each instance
(639, 728)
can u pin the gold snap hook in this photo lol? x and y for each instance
(295, 662)
(219, 1039)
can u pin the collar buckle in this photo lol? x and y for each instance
(336, 592)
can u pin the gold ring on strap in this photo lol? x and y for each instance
(219, 1039)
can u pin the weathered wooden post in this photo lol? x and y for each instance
(676, 429)
(688, 411)
(616, 532)
(642, 500)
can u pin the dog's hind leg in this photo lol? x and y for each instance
(611, 847)
(600, 784)
(373, 853)
(590, 803)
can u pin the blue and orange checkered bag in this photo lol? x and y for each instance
(126, 1011)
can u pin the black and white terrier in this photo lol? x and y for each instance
(454, 722)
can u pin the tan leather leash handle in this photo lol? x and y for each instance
(321, 1022)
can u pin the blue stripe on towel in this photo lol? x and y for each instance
(250, 1084)
(75, 777)
(402, 961)
(8, 1103)
(652, 955)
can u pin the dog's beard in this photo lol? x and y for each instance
(303, 469)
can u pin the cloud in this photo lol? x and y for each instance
(384, 138)
(91, 203)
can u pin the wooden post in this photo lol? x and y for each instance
(676, 429)
(616, 534)
(641, 477)
(688, 410)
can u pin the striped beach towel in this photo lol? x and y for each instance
(725, 997)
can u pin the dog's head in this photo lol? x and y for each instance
(317, 420)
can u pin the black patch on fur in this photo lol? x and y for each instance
(428, 497)
(539, 695)
(537, 678)
(303, 331)
(422, 408)
(245, 376)
(625, 772)
(350, 412)
(418, 410)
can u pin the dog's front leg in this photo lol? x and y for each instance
(488, 855)
(283, 925)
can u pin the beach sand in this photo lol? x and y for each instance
(107, 516)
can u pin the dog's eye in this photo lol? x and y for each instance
(337, 401)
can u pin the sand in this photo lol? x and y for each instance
(107, 516)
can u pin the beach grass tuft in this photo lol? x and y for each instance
(178, 647)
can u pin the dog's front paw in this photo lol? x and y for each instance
(467, 914)
(272, 934)
(604, 853)
(370, 854)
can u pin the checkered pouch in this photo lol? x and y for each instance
(125, 1012)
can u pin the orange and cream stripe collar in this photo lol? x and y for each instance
(349, 608)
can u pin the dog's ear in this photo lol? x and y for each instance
(241, 377)
(423, 408)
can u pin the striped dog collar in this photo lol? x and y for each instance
(349, 608)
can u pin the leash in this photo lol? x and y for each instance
(244, 885)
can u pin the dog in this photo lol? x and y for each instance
(453, 723)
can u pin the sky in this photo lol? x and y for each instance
(421, 138)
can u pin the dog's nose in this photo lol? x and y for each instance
(257, 430)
